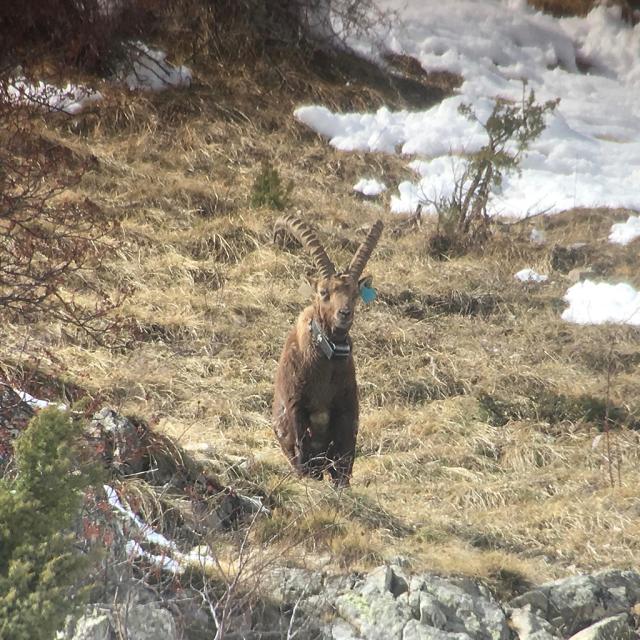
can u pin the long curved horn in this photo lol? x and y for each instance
(363, 253)
(309, 240)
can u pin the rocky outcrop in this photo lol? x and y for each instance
(575, 603)
(614, 627)
(389, 604)
(530, 626)
(139, 621)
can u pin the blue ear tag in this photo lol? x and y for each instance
(368, 294)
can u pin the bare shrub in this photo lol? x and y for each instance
(48, 241)
(463, 216)
(237, 28)
(82, 34)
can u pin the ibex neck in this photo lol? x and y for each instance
(331, 348)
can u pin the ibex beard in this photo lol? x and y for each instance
(315, 407)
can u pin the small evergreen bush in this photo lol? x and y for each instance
(40, 566)
(268, 190)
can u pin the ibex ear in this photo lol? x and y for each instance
(307, 287)
(367, 292)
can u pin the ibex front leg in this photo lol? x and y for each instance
(294, 431)
(344, 431)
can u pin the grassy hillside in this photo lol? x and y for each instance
(479, 405)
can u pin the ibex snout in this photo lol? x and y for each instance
(344, 317)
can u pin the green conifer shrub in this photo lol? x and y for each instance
(40, 564)
(268, 190)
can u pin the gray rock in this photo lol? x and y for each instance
(342, 630)
(378, 607)
(613, 628)
(289, 584)
(388, 605)
(95, 626)
(119, 440)
(530, 626)
(430, 613)
(385, 579)
(139, 621)
(466, 608)
(148, 622)
(375, 616)
(577, 602)
(414, 630)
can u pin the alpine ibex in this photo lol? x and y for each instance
(315, 405)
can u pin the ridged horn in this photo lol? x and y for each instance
(309, 240)
(363, 253)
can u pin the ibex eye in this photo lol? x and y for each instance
(324, 293)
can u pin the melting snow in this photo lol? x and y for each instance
(149, 71)
(152, 72)
(625, 232)
(369, 187)
(171, 559)
(588, 156)
(35, 403)
(529, 275)
(70, 99)
(602, 303)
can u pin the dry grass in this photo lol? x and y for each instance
(479, 405)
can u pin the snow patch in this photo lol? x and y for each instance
(602, 303)
(35, 403)
(71, 99)
(171, 559)
(589, 155)
(529, 275)
(370, 187)
(625, 232)
(151, 71)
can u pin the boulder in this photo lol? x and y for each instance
(466, 607)
(529, 626)
(387, 604)
(149, 622)
(376, 616)
(417, 631)
(575, 603)
(612, 628)
(94, 626)
(139, 621)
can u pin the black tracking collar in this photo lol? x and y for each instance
(330, 349)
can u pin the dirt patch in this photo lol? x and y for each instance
(418, 306)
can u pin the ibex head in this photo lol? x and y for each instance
(336, 293)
